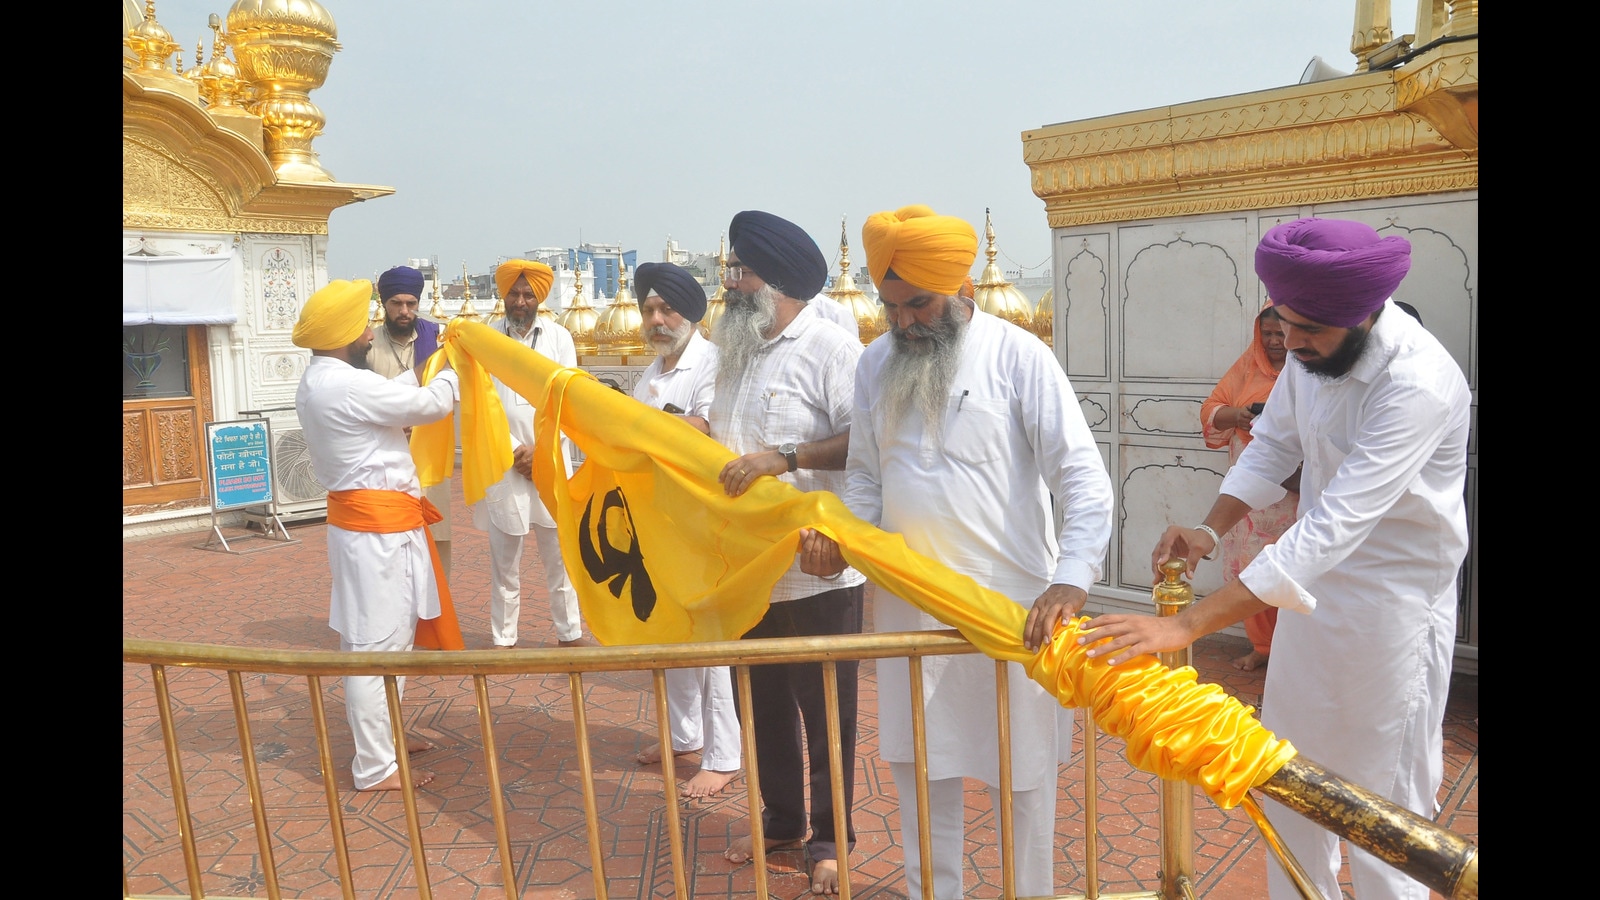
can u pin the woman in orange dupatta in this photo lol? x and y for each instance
(1225, 419)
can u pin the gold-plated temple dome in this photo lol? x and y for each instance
(1044, 318)
(284, 48)
(579, 317)
(718, 301)
(994, 294)
(149, 41)
(868, 312)
(618, 329)
(288, 17)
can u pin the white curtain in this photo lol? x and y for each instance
(178, 290)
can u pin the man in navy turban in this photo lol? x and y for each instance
(407, 340)
(1365, 578)
(785, 392)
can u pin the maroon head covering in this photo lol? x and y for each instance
(1331, 271)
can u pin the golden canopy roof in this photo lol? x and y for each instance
(579, 317)
(617, 332)
(867, 311)
(718, 301)
(994, 294)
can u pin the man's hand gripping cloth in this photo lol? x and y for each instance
(659, 553)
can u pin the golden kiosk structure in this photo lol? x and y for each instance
(225, 207)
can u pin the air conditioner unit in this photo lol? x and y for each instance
(300, 496)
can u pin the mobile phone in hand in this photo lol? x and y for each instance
(1255, 408)
(673, 408)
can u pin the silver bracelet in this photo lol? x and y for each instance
(1215, 541)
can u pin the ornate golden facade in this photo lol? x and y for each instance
(1374, 134)
(224, 153)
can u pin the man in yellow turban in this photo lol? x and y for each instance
(378, 551)
(511, 507)
(964, 429)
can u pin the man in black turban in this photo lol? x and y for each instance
(784, 394)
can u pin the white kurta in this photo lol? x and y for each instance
(699, 700)
(978, 499)
(511, 507)
(1360, 676)
(353, 421)
(512, 503)
(837, 313)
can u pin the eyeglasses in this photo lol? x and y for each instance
(734, 273)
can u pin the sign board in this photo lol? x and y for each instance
(240, 454)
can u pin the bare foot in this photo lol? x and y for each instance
(415, 744)
(706, 783)
(742, 850)
(1250, 661)
(582, 640)
(651, 755)
(392, 783)
(825, 877)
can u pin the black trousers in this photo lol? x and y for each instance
(789, 695)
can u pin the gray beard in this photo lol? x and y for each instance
(919, 373)
(741, 331)
(680, 339)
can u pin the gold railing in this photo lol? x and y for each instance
(1176, 819)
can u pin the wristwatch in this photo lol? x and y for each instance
(791, 454)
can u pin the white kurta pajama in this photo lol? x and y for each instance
(511, 508)
(354, 421)
(1359, 677)
(978, 498)
(699, 700)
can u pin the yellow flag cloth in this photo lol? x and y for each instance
(487, 455)
(925, 249)
(659, 554)
(540, 276)
(334, 316)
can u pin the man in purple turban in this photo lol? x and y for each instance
(407, 339)
(1366, 576)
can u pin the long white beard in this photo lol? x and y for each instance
(741, 331)
(919, 372)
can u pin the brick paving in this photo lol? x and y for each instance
(277, 598)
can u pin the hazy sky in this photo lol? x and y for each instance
(504, 126)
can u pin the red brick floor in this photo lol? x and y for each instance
(277, 598)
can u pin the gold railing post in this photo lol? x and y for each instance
(1172, 596)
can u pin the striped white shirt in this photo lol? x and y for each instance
(799, 387)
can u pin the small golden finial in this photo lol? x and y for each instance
(988, 234)
(1173, 594)
(844, 246)
(436, 311)
(465, 311)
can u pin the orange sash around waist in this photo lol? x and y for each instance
(389, 512)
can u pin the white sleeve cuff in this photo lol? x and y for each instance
(1251, 488)
(1273, 586)
(1076, 573)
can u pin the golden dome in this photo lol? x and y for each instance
(868, 312)
(718, 301)
(284, 48)
(997, 296)
(1044, 318)
(150, 42)
(579, 317)
(298, 17)
(618, 329)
